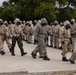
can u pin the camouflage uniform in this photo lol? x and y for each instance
(17, 33)
(40, 36)
(47, 27)
(2, 37)
(73, 33)
(29, 32)
(66, 40)
(73, 58)
(8, 35)
(56, 30)
(34, 26)
(51, 34)
(61, 29)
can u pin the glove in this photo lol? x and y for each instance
(35, 41)
(46, 38)
(63, 42)
(48, 33)
(70, 40)
(31, 34)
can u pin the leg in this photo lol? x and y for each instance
(8, 44)
(42, 46)
(1, 46)
(64, 50)
(73, 58)
(20, 45)
(13, 45)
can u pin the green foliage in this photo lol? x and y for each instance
(45, 10)
(36, 9)
(11, 12)
(66, 14)
(69, 74)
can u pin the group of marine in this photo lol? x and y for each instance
(61, 36)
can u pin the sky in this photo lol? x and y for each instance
(2, 1)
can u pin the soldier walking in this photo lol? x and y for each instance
(2, 37)
(40, 36)
(16, 37)
(66, 40)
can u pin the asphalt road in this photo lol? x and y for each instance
(26, 63)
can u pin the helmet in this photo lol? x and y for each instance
(67, 24)
(44, 21)
(28, 24)
(23, 22)
(55, 22)
(5, 23)
(10, 22)
(72, 21)
(61, 24)
(51, 23)
(17, 21)
(39, 21)
(34, 22)
(1, 21)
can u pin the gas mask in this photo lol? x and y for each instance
(43, 24)
(67, 26)
(72, 22)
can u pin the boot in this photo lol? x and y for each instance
(72, 62)
(55, 47)
(64, 59)
(47, 45)
(33, 55)
(23, 53)
(12, 54)
(2, 53)
(10, 49)
(46, 58)
(60, 47)
(51, 46)
(72, 51)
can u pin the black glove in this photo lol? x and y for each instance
(70, 40)
(46, 38)
(63, 42)
(31, 34)
(48, 33)
(35, 41)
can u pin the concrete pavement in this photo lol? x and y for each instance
(26, 63)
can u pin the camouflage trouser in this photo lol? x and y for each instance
(8, 43)
(29, 38)
(56, 41)
(41, 47)
(19, 42)
(51, 41)
(73, 56)
(73, 45)
(47, 42)
(1, 44)
(66, 47)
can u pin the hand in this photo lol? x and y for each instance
(30, 33)
(35, 41)
(63, 42)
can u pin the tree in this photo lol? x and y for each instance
(45, 10)
(36, 9)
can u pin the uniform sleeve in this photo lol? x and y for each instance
(61, 34)
(36, 31)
